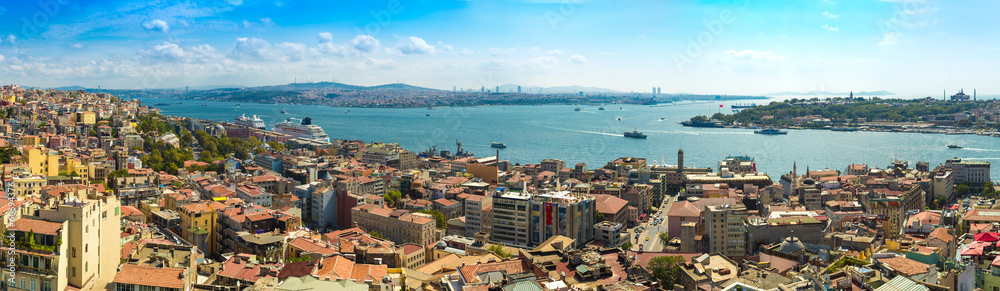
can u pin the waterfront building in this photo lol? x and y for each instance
(971, 172)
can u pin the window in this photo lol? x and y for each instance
(33, 285)
(74, 252)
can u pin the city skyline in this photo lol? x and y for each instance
(912, 48)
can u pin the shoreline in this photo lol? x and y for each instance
(660, 104)
(882, 128)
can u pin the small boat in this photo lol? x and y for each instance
(498, 145)
(770, 131)
(602, 108)
(952, 146)
(161, 104)
(619, 119)
(577, 109)
(428, 114)
(663, 118)
(284, 112)
(635, 134)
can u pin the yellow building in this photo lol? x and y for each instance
(87, 118)
(10, 98)
(73, 165)
(25, 186)
(31, 141)
(198, 226)
(42, 161)
(85, 232)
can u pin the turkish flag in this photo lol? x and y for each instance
(720, 105)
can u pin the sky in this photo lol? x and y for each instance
(910, 47)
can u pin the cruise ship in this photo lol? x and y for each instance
(304, 129)
(250, 121)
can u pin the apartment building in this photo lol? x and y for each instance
(724, 225)
(561, 213)
(399, 226)
(510, 218)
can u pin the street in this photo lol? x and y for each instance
(652, 231)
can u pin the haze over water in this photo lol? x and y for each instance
(593, 136)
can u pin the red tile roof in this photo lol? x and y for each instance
(166, 277)
(39, 226)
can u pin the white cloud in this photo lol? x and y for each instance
(466, 52)
(266, 21)
(578, 59)
(251, 48)
(830, 28)
(157, 25)
(754, 55)
(293, 51)
(918, 10)
(11, 38)
(325, 37)
(76, 45)
(2, 58)
(500, 52)
(554, 52)
(173, 52)
(365, 43)
(415, 46)
(234, 2)
(445, 47)
(890, 38)
(830, 15)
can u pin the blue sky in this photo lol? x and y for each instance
(912, 47)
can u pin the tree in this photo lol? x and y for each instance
(988, 188)
(664, 237)
(626, 246)
(962, 190)
(276, 145)
(497, 249)
(391, 197)
(7, 154)
(665, 270)
(439, 218)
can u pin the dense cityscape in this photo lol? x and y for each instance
(517, 145)
(106, 193)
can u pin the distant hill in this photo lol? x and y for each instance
(552, 90)
(827, 93)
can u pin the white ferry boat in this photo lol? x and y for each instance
(304, 129)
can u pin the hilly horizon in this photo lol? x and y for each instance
(859, 93)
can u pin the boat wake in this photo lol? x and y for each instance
(581, 131)
(982, 150)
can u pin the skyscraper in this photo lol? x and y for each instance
(519, 89)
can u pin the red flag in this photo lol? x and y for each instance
(754, 167)
(548, 213)
(720, 105)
